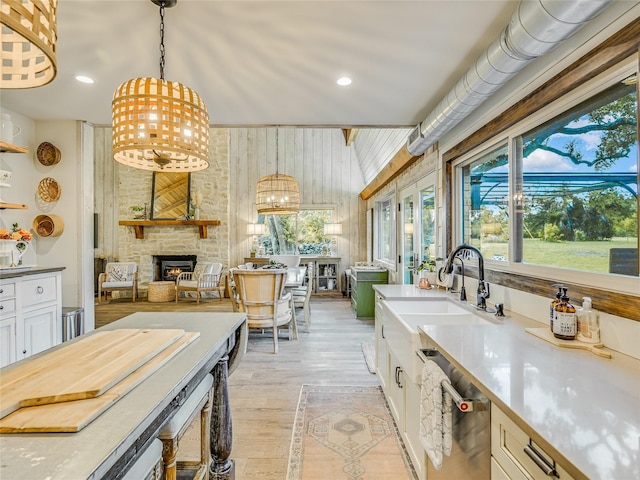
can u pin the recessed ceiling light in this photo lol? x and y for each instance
(344, 81)
(84, 79)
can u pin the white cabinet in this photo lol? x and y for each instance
(30, 314)
(515, 456)
(382, 356)
(7, 323)
(395, 391)
(7, 340)
(403, 396)
(42, 330)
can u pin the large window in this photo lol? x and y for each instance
(485, 203)
(301, 234)
(385, 230)
(580, 185)
(567, 194)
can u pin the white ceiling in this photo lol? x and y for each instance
(270, 62)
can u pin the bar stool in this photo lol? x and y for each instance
(198, 402)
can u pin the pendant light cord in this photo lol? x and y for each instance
(277, 153)
(162, 51)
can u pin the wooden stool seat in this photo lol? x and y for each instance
(198, 402)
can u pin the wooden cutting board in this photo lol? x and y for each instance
(73, 416)
(545, 334)
(83, 369)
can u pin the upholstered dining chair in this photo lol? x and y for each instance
(232, 291)
(206, 277)
(302, 296)
(118, 276)
(261, 296)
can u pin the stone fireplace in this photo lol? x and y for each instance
(168, 267)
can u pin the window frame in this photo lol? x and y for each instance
(332, 213)
(607, 281)
(377, 253)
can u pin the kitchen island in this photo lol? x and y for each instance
(110, 445)
(582, 410)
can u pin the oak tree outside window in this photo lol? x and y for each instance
(571, 199)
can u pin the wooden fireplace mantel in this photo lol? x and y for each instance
(138, 225)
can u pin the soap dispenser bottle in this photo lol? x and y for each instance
(564, 318)
(588, 324)
(554, 302)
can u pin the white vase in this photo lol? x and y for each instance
(11, 251)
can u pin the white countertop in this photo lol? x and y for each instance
(583, 408)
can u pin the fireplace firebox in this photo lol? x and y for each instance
(168, 267)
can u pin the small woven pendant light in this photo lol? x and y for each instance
(277, 194)
(160, 125)
(28, 36)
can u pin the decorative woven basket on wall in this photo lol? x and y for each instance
(48, 154)
(48, 225)
(49, 190)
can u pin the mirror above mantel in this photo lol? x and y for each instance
(170, 195)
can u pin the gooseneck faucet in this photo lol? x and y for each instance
(483, 287)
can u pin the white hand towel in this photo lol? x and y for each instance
(435, 414)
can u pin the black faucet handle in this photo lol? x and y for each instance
(499, 310)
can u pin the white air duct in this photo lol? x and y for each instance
(536, 28)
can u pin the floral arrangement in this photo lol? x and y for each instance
(15, 233)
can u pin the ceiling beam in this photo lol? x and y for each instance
(349, 135)
(398, 164)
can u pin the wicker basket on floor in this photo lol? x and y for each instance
(161, 292)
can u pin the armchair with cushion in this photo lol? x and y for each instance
(206, 277)
(118, 276)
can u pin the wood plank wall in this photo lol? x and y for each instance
(327, 171)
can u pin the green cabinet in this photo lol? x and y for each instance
(362, 293)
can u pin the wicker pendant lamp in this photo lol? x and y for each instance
(277, 194)
(28, 53)
(160, 125)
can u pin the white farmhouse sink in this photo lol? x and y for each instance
(402, 319)
(425, 306)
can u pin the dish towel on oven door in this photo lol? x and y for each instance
(435, 414)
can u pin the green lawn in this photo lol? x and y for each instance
(589, 256)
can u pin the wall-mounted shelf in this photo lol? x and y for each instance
(138, 225)
(7, 147)
(15, 206)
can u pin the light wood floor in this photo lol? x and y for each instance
(265, 387)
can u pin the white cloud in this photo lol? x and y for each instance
(544, 161)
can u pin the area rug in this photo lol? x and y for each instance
(369, 352)
(346, 433)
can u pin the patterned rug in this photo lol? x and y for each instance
(346, 433)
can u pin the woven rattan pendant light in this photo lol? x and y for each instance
(160, 125)
(28, 36)
(277, 194)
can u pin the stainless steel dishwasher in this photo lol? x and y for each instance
(471, 424)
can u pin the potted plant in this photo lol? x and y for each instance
(427, 269)
(252, 252)
(138, 212)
